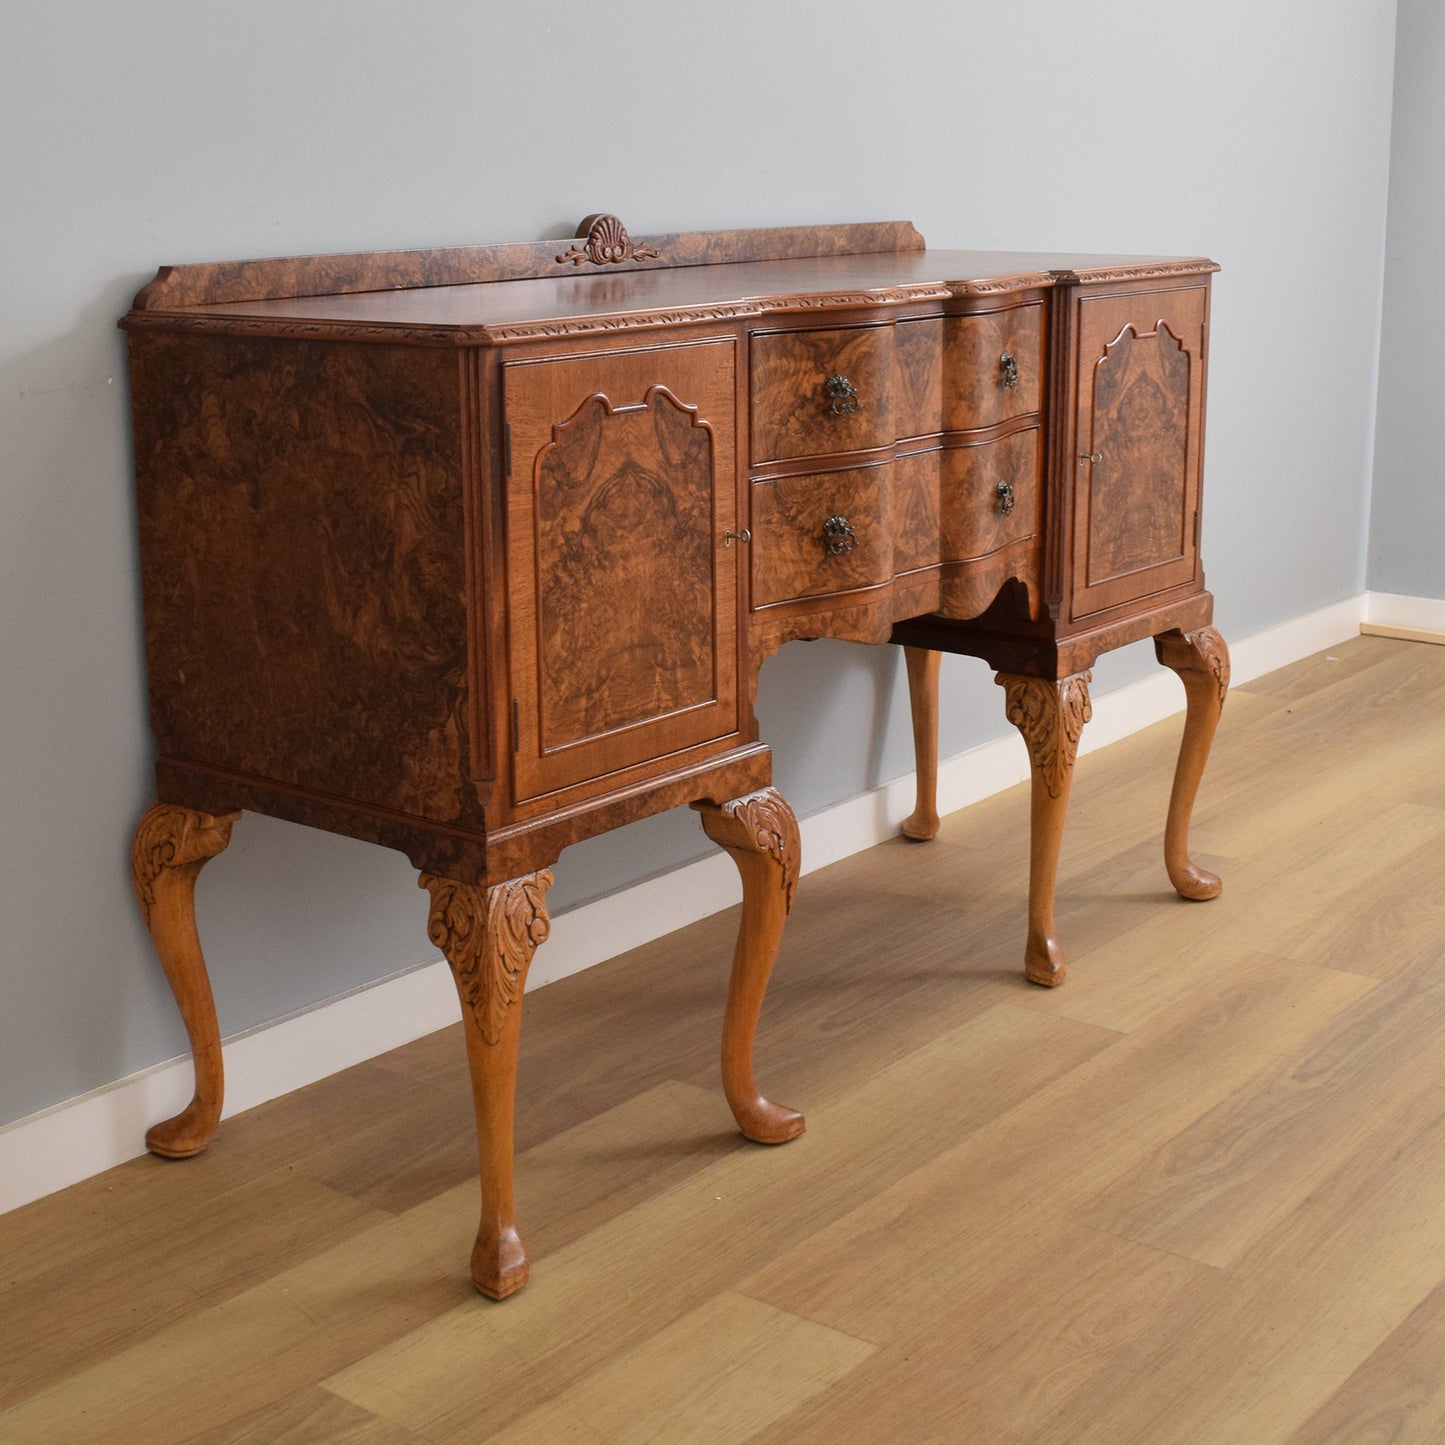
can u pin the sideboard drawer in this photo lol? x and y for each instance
(951, 504)
(828, 532)
(960, 373)
(990, 496)
(821, 392)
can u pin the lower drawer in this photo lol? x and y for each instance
(827, 532)
(955, 503)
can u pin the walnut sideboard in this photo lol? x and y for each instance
(475, 553)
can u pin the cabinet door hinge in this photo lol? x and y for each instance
(507, 448)
(516, 726)
(1197, 516)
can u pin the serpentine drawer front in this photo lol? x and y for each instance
(817, 392)
(477, 553)
(821, 532)
(959, 373)
(963, 502)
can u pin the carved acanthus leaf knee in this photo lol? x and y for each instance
(173, 837)
(1051, 717)
(760, 822)
(1203, 650)
(489, 936)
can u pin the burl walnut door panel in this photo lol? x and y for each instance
(1138, 438)
(622, 601)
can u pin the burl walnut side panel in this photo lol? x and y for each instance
(302, 527)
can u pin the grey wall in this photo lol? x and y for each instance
(170, 131)
(1407, 524)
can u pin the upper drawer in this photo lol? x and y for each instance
(958, 373)
(819, 392)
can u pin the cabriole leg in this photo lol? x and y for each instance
(1202, 661)
(171, 847)
(922, 664)
(1051, 716)
(761, 834)
(489, 936)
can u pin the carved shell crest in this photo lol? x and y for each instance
(605, 242)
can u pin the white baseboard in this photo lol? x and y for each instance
(81, 1137)
(1420, 619)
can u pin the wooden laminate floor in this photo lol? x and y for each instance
(1195, 1195)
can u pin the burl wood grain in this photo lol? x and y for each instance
(624, 563)
(1141, 410)
(1140, 413)
(793, 413)
(951, 371)
(621, 597)
(216, 283)
(790, 543)
(947, 506)
(302, 560)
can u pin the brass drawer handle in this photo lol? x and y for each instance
(839, 536)
(1010, 369)
(1005, 493)
(842, 396)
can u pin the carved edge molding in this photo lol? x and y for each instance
(605, 242)
(169, 836)
(1051, 717)
(1197, 266)
(544, 330)
(760, 822)
(489, 936)
(1203, 650)
(721, 311)
(1029, 281)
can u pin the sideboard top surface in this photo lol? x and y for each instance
(385, 292)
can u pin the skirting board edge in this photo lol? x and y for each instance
(81, 1137)
(1417, 619)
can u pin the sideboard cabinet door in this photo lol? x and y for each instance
(621, 594)
(1138, 438)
